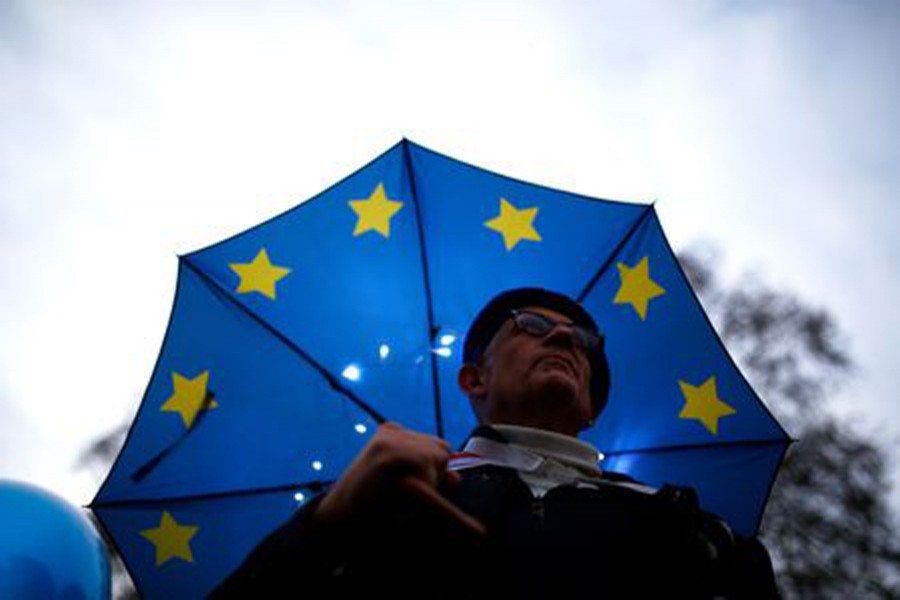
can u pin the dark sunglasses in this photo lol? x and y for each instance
(539, 325)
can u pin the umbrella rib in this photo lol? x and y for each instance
(432, 329)
(648, 210)
(333, 381)
(733, 444)
(315, 486)
(718, 338)
(148, 467)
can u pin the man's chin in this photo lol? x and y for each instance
(553, 405)
(559, 387)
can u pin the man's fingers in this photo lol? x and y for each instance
(452, 477)
(439, 442)
(427, 493)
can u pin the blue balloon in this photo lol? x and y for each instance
(48, 548)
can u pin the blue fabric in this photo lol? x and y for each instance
(296, 378)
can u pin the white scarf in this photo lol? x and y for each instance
(542, 459)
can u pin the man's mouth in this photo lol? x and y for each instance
(560, 360)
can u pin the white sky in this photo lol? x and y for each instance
(131, 132)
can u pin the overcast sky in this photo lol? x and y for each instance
(133, 131)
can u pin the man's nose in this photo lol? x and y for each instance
(562, 334)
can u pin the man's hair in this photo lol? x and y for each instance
(497, 311)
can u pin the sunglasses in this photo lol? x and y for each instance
(538, 325)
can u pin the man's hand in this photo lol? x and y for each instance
(396, 460)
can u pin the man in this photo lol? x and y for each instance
(523, 510)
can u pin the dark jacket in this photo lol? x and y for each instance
(607, 541)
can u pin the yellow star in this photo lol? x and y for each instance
(188, 397)
(637, 289)
(171, 539)
(703, 403)
(260, 275)
(375, 212)
(514, 224)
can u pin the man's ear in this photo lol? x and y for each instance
(471, 380)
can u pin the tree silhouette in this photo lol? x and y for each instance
(827, 524)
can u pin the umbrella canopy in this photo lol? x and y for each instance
(289, 343)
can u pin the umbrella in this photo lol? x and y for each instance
(290, 342)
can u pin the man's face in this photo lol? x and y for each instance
(535, 381)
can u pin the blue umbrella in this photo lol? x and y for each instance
(290, 342)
